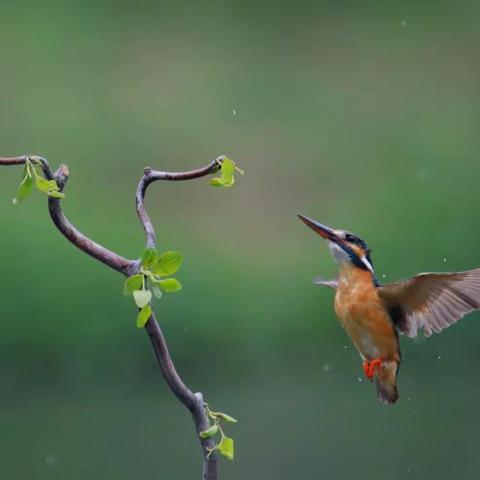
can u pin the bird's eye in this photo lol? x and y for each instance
(350, 238)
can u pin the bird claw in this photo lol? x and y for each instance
(369, 367)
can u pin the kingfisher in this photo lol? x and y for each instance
(373, 315)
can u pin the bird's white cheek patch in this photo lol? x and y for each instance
(367, 263)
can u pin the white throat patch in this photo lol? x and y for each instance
(338, 253)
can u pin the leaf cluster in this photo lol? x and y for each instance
(225, 445)
(227, 170)
(32, 176)
(151, 281)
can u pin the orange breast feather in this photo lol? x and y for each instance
(363, 315)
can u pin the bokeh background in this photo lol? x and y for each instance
(364, 115)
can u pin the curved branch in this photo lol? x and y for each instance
(72, 234)
(150, 176)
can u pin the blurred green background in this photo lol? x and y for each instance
(363, 115)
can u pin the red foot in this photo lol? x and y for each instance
(370, 367)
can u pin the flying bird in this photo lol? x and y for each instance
(373, 314)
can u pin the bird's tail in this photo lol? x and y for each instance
(386, 381)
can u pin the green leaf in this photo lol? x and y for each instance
(142, 297)
(133, 283)
(226, 448)
(217, 182)
(143, 316)
(149, 257)
(157, 293)
(209, 432)
(167, 264)
(25, 187)
(49, 187)
(225, 417)
(55, 194)
(169, 285)
(228, 169)
(45, 185)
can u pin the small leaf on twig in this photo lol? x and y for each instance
(55, 194)
(224, 416)
(142, 297)
(149, 257)
(157, 293)
(209, 432)
(167, 264)
(169, 285)
(226, 447)
(227, 171)
(133, 283)
(26, 185)
(143, 316)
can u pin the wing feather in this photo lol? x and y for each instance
(432, 301)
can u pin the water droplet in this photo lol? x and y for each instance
(439, 357)
(384, 276)
(360, 379)
(326, 367)
(14, 201)
(234, 112)
(444, 260)
(345, 347)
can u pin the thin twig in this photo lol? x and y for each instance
(149, 176)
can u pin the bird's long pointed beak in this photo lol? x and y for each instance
(324, 231)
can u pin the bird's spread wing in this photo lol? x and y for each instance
(431, 301)
(327, 283)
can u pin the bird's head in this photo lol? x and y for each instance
(345, 246)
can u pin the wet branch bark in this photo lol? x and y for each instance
(193, 401)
